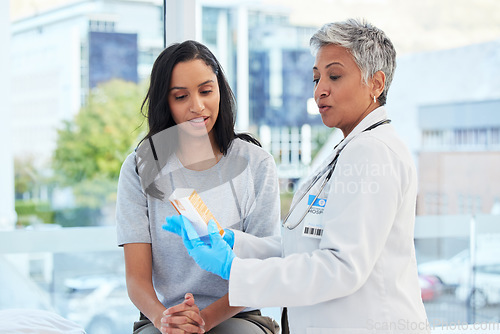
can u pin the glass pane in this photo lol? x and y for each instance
(78, 75)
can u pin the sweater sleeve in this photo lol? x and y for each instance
(132, 223)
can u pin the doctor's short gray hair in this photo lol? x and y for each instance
(371, 49)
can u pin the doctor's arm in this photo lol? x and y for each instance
(249, 246)
(356, 228)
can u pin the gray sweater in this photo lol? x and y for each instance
(241, 191)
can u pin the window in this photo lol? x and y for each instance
(65, 53)
(99, 25)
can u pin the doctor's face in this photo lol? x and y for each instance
(194, 97)
(341, 95)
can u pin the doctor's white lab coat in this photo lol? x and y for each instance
(360, 274)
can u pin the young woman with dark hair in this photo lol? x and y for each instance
(191, 143)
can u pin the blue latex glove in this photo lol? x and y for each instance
(216, 258)
(229, 237)
(175, 223)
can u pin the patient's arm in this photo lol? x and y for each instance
(138, 267)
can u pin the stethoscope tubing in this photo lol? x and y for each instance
(330, 168)
(327, 178)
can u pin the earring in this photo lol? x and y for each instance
(374, 99)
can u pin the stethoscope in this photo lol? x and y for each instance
(330, 168)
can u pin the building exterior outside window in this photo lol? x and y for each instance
(459, 157)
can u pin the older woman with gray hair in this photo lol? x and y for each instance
(347, 260)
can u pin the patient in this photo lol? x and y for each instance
(191, 143)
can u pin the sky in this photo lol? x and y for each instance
(412, 25)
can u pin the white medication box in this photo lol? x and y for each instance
(188, 203)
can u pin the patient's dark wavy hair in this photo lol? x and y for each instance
(156, 109)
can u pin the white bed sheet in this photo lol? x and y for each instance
(27, 321)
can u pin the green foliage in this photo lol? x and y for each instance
(93, 193)
(92, 147)
(29, 212)
(37, 212)
(31, 207)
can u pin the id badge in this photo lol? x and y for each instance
(313, 223)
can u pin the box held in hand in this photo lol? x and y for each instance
(188, 203)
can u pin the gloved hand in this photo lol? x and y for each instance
(216, 258)
(174, 225)
(229, 237)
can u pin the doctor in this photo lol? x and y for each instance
(348, 260)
